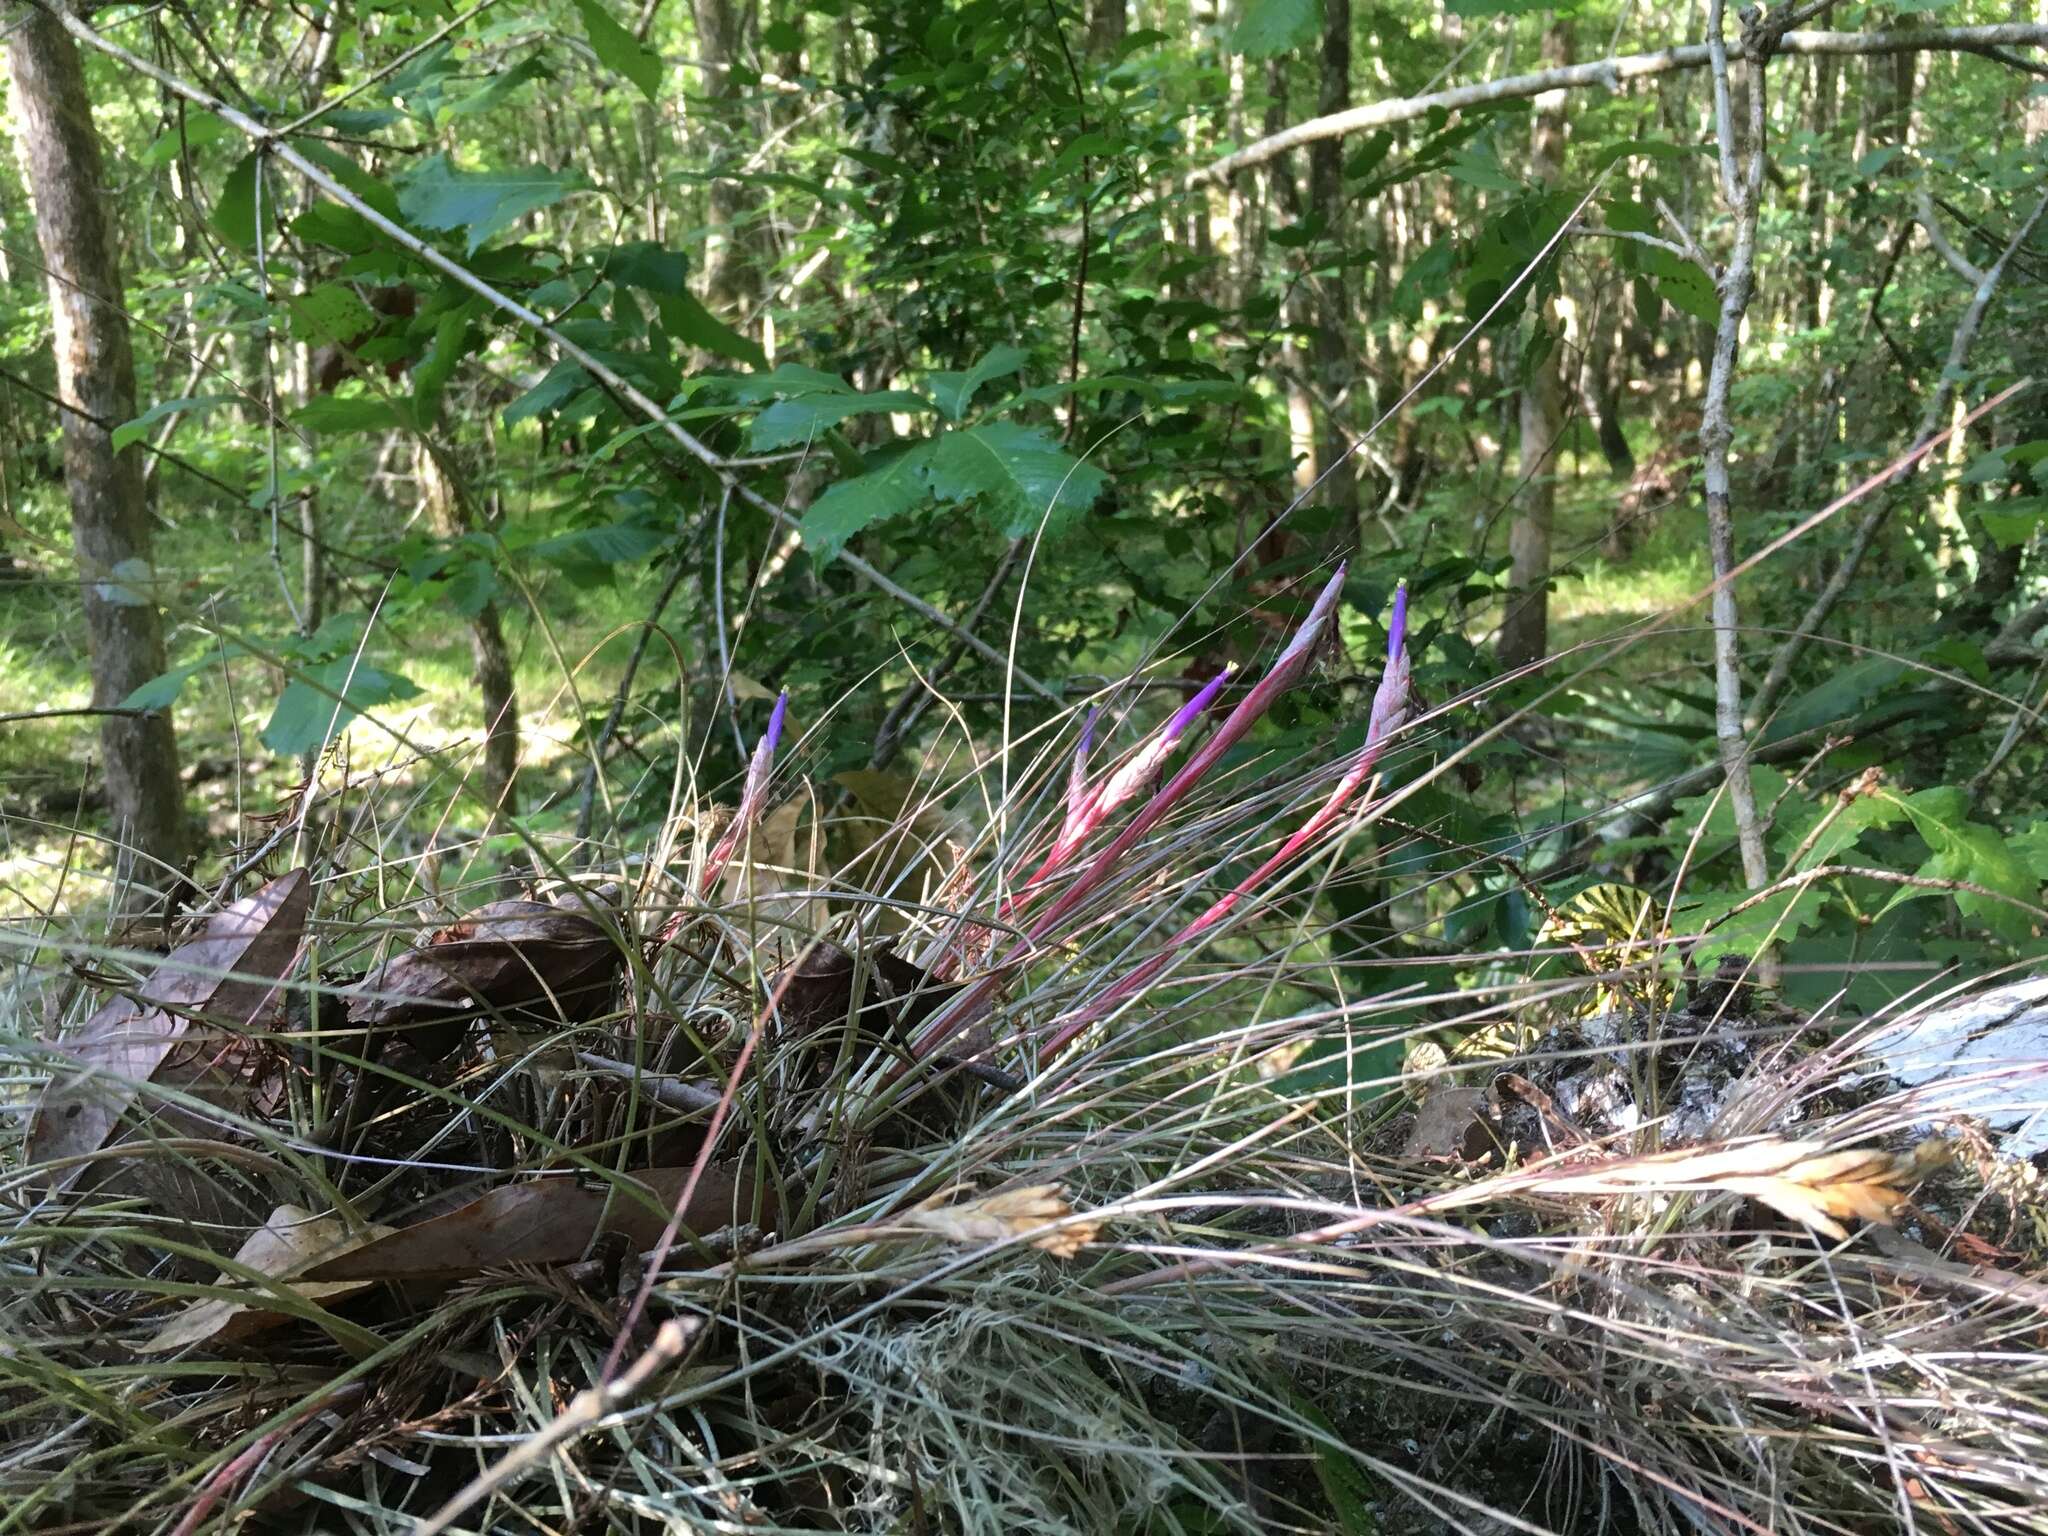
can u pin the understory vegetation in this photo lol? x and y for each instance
(1023, 766)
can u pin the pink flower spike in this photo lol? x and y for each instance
(1144, 764)
(1093, 807)
(1389, 709)
(1284, 673)
(751, 797)
(1077, 776)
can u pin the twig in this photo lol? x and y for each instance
(1059, 32)
(1807, 877)
(1646, 810)
(1610, 74)
(230, 1473)
(917, 697)
(1966, 269)
(2014, 730)
(666, 1089)
(60, 714)
(1601, 232)
(581, 1416)
(595, 767)
(1685, 238)
(281, 149)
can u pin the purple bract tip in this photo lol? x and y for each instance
(1191, 711)
(774, 737)
(1087, 735)
(1397, 626)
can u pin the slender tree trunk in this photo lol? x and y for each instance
(96, 380)
(448, 509)
(1286, 201)
(1741, 181)
(1525, 631)
(1603, 394)
(718, 26)
(1332, 348)
(1826, 71)
(1105, 26)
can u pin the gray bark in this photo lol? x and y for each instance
(1525, 630)
(1613, 73)
(1742, 187)
(1105, 26)
(1331, 349)
(451, 517)
(724, 252)
(96, 381)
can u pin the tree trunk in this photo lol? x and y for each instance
(724, 269)
(1332, 350)
(449, 512)
(1525, 631)
(96, 381)
(1105, 26)
(1603, 392)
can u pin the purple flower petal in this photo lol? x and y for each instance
(1191, 711)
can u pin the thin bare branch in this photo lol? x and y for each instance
(1717, 431)
(1611, 74)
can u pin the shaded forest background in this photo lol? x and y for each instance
(442, 446)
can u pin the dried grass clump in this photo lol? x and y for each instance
(970, 1230)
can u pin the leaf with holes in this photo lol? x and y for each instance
(330, 312)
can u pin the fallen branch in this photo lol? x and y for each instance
(1612, 74)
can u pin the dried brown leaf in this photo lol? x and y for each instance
(523, 958)
(548, 1221)
(1805, 1181)
(766, 891)
(291, 1242)
(1032, 1212)
(126, 1041)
